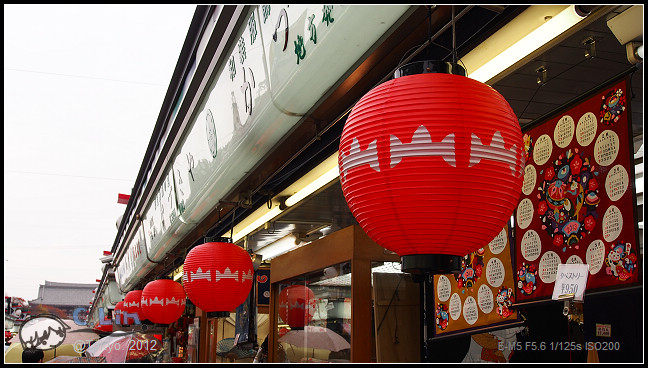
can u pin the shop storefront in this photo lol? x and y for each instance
(246, 150)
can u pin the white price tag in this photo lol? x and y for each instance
(570, 279)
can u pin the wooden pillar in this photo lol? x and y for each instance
(361, 311)
(202, 336)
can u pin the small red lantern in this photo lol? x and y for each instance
(132, 306)
(217, 277)
(297, 305)
(119, 313)
(163, 301)
(431, 166)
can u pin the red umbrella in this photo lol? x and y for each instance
(120, 347)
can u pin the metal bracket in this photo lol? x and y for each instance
(542, 75)
(246, 201)
(590, 43)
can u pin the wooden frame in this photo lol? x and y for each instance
(349, 244)
(207, 347)
(195, 356)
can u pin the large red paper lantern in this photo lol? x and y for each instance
(163, 301)
(297, 305)
(217, 277)
(432, 164)
(132, 305)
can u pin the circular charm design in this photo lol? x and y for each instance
(568, 199)
(528, 147)
(472, 266)
(504, 299)
(612, 106)
(442, 316)
(527, 278)
(621, 261)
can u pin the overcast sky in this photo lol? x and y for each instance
(83, 86)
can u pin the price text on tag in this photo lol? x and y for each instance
(571, 279)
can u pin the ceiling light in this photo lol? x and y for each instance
(506, 51)
(628, 26)
(312, 181)
(634, 52)
(316, 184)
(315, 179)
(281, 246)
(254, 221)
(177, 273)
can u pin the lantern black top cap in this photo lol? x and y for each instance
(429, 66)
(217, 239)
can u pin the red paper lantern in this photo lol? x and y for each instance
(217, 277)
(297, 305)
(132, 306)
(163, 301)
(119, 313)
(432, 164)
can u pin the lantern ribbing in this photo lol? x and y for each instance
(163, 301)
(217, 276)
(432, 164)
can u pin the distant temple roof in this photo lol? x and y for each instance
(63, 293)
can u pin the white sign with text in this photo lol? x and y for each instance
(571, 279)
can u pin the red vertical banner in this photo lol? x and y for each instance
(578, 202)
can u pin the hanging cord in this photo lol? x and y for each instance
(394, 295)
(232, 228)
(454, 48)
(421, 48)
(454, 39)
(430, 40)
(429, 50)
(396, 324)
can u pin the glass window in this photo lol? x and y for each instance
(315, 316)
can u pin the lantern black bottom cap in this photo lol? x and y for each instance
(431, 263)
(217, 314)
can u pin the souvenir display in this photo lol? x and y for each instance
(578, 198)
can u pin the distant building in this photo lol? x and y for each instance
(61, 299)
